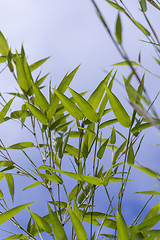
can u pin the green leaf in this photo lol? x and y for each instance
(28, 74)
(125, 63)
(152, 192)
(116, 6)
(37, 113)
(59, 121)
(80, 177)
(57, 226)
(110, 224)
(41, 80)
(105, 98)
(107, 177)
(153, 211)
(118, 109)
(101, 150)
(69, 105)
(113, 136)
(85, 107)
(4, 49)
(12, 212)
(149, 223)
(33, 185)
(41, 222)
(109, 122)
(3, 59)
(83, 194)
(143, 29)
(5, 109)
(10, 182)
(143, 5)
(118, 151)
(16, 236)
(21, 145)
(72, 151)
(77, 211)
(141, 127)
(122, 228)
(118, 29)
(131, 157)
(148, 171)
(75, 191)
(77, 225)
(53, 177)
(61, 89)
(40, 99)
(1, 194)
(38, 64)
(157, 60)
(23, 82)
(97, 95)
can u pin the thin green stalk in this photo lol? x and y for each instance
(139, 214)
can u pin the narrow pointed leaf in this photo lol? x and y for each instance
(85, 107)
(118, 109)
(16, 236)
(33, 185)
(116, 6)
(153, 211)
(113, 136)
(80, 177)
(148, 171)
(143, 5)
(143, 29)
(131, 157)
(141, 127)
(40, 98)
(105, 98)
(61, 88)
(38, 64)
(12, 212)
(75, 191)
(21, 145)
(118, 30)
(41, 80)
(77, 225)
(69, 105)
(21, 74)
(107, 177)
(102, 149)
(4, 49)
(10, 182)
(28, 72)
(72, 150)
(125, 63)
(1, 194)
(149, 192)
(53, 177)
(97, 95)
(118, 151)
(149, 223)
(37, 113)
(57, 226)
(3, 59)
(41, 222)
(122, 228)
(109, 122)
(5, 110)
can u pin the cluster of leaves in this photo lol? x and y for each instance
(71, 128)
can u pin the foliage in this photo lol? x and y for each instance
(69, 128)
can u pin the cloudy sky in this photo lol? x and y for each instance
(70, 32)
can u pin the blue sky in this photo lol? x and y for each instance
(70, 32)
